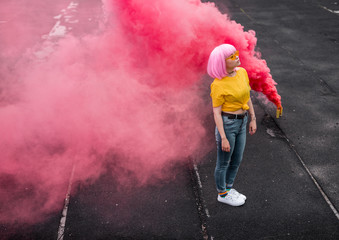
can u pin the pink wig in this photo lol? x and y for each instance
(216, 66)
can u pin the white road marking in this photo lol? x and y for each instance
(200, 186)
(45, 50)
(61, 230)
(59, 30)
(249, 17)
(328, 201)
(71, 21)
(327, 9)
(317, 185)
(72, 5)
(198, 175)
(58, 17)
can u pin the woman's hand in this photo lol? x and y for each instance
(253, 126)
(225, 145)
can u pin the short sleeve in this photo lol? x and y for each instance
(217, 96)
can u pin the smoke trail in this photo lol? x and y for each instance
(126, 98)
(189, 30)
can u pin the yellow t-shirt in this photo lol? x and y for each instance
(232, 93)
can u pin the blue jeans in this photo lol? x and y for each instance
(228, 162)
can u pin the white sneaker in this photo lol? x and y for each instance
(231, 200)
(235, 193)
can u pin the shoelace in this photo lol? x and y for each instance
(235, 193)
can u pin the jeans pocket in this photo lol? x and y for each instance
(228, 121)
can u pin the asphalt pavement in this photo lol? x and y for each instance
(290, 168)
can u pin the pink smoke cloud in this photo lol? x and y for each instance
(189, 30)
(127, 97)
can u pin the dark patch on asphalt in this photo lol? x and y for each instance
(272, 128)
(326, 90)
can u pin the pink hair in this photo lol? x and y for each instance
(216, 66)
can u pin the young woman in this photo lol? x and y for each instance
(230, 93)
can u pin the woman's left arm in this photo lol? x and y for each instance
(253, 123)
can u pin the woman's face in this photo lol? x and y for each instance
(233, 60)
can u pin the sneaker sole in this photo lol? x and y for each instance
(233, 205)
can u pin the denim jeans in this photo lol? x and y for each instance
(228, 162)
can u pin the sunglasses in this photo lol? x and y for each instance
(234, 56)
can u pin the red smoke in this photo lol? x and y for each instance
(125, 98)
(184, 32)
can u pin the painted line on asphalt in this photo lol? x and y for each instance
(329, 10)
(59, 30)
(249, 17)
(328, 201)
(324, 195)
(203, 212)
(200, 186)
(292, 146)
(331, 205)
(61, 230)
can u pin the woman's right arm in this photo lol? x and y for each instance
(225, 145)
